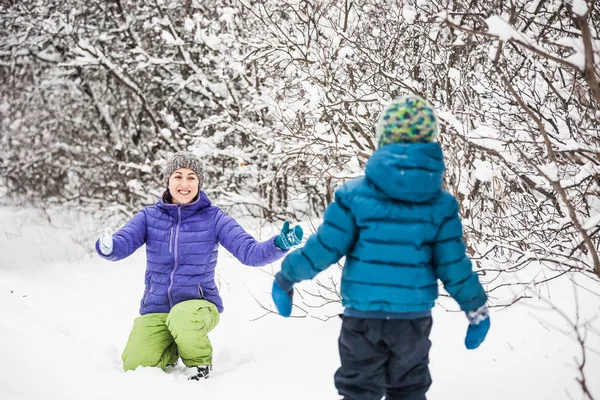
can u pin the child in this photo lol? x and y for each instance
(400, 233)
(181, 302)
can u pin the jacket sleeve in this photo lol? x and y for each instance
(243, 246)
(453, 266)
(127, 239)
(333, 240)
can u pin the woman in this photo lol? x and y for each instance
(181, 302)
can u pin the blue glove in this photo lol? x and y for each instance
(289, 237)
(106, 242)
(479, 325)
(282, 293)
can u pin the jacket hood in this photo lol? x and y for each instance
(411, 172)
(202, 201)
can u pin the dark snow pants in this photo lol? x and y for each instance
(384, 358)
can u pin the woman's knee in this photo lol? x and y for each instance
(199, 315)
(148, 340)
(134, 358)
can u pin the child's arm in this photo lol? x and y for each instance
(333, 240)
(243, 246)
(127, 239)
(453, 266)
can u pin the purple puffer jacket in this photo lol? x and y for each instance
(182, 242)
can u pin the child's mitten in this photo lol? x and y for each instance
(282, 293)
(289, 237)
(479, 325)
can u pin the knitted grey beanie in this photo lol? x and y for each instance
(184, 159)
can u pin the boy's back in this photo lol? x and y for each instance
(399, 209)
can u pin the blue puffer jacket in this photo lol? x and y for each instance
(182, 243)
(400, 233)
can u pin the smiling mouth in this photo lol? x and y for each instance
(184, 192)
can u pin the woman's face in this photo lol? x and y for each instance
(183, 185)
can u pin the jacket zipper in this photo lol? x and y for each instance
(170, 240)
(200, 291)
(175, 257)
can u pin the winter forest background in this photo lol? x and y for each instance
(280, 99)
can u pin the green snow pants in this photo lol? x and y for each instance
(159, 339)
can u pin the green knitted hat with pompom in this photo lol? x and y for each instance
(410, 119)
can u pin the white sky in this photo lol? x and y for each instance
(66, 315)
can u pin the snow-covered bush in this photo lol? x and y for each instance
(280, 100)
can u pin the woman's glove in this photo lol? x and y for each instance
(106, 242)
(283, 293)
(479, 325)
(289, 237)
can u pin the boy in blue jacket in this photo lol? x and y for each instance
(400, 232)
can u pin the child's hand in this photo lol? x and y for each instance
(283, 293)
(289, 237)
(479, 325)
(106, 242)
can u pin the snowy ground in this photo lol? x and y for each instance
(65, 315)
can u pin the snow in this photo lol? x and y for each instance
(580, 7)
(171, 40)
(409, 14)
(189, 25)
(166, 133)
(455, 75)
(66, 315)
(322, 128)
(212, 41)
(313, 95)
(591, 222)
(577, 59)
(346, 51)
(550, 170)
(499, 27)
(484, 170)
(486, 136)
(228, 15)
